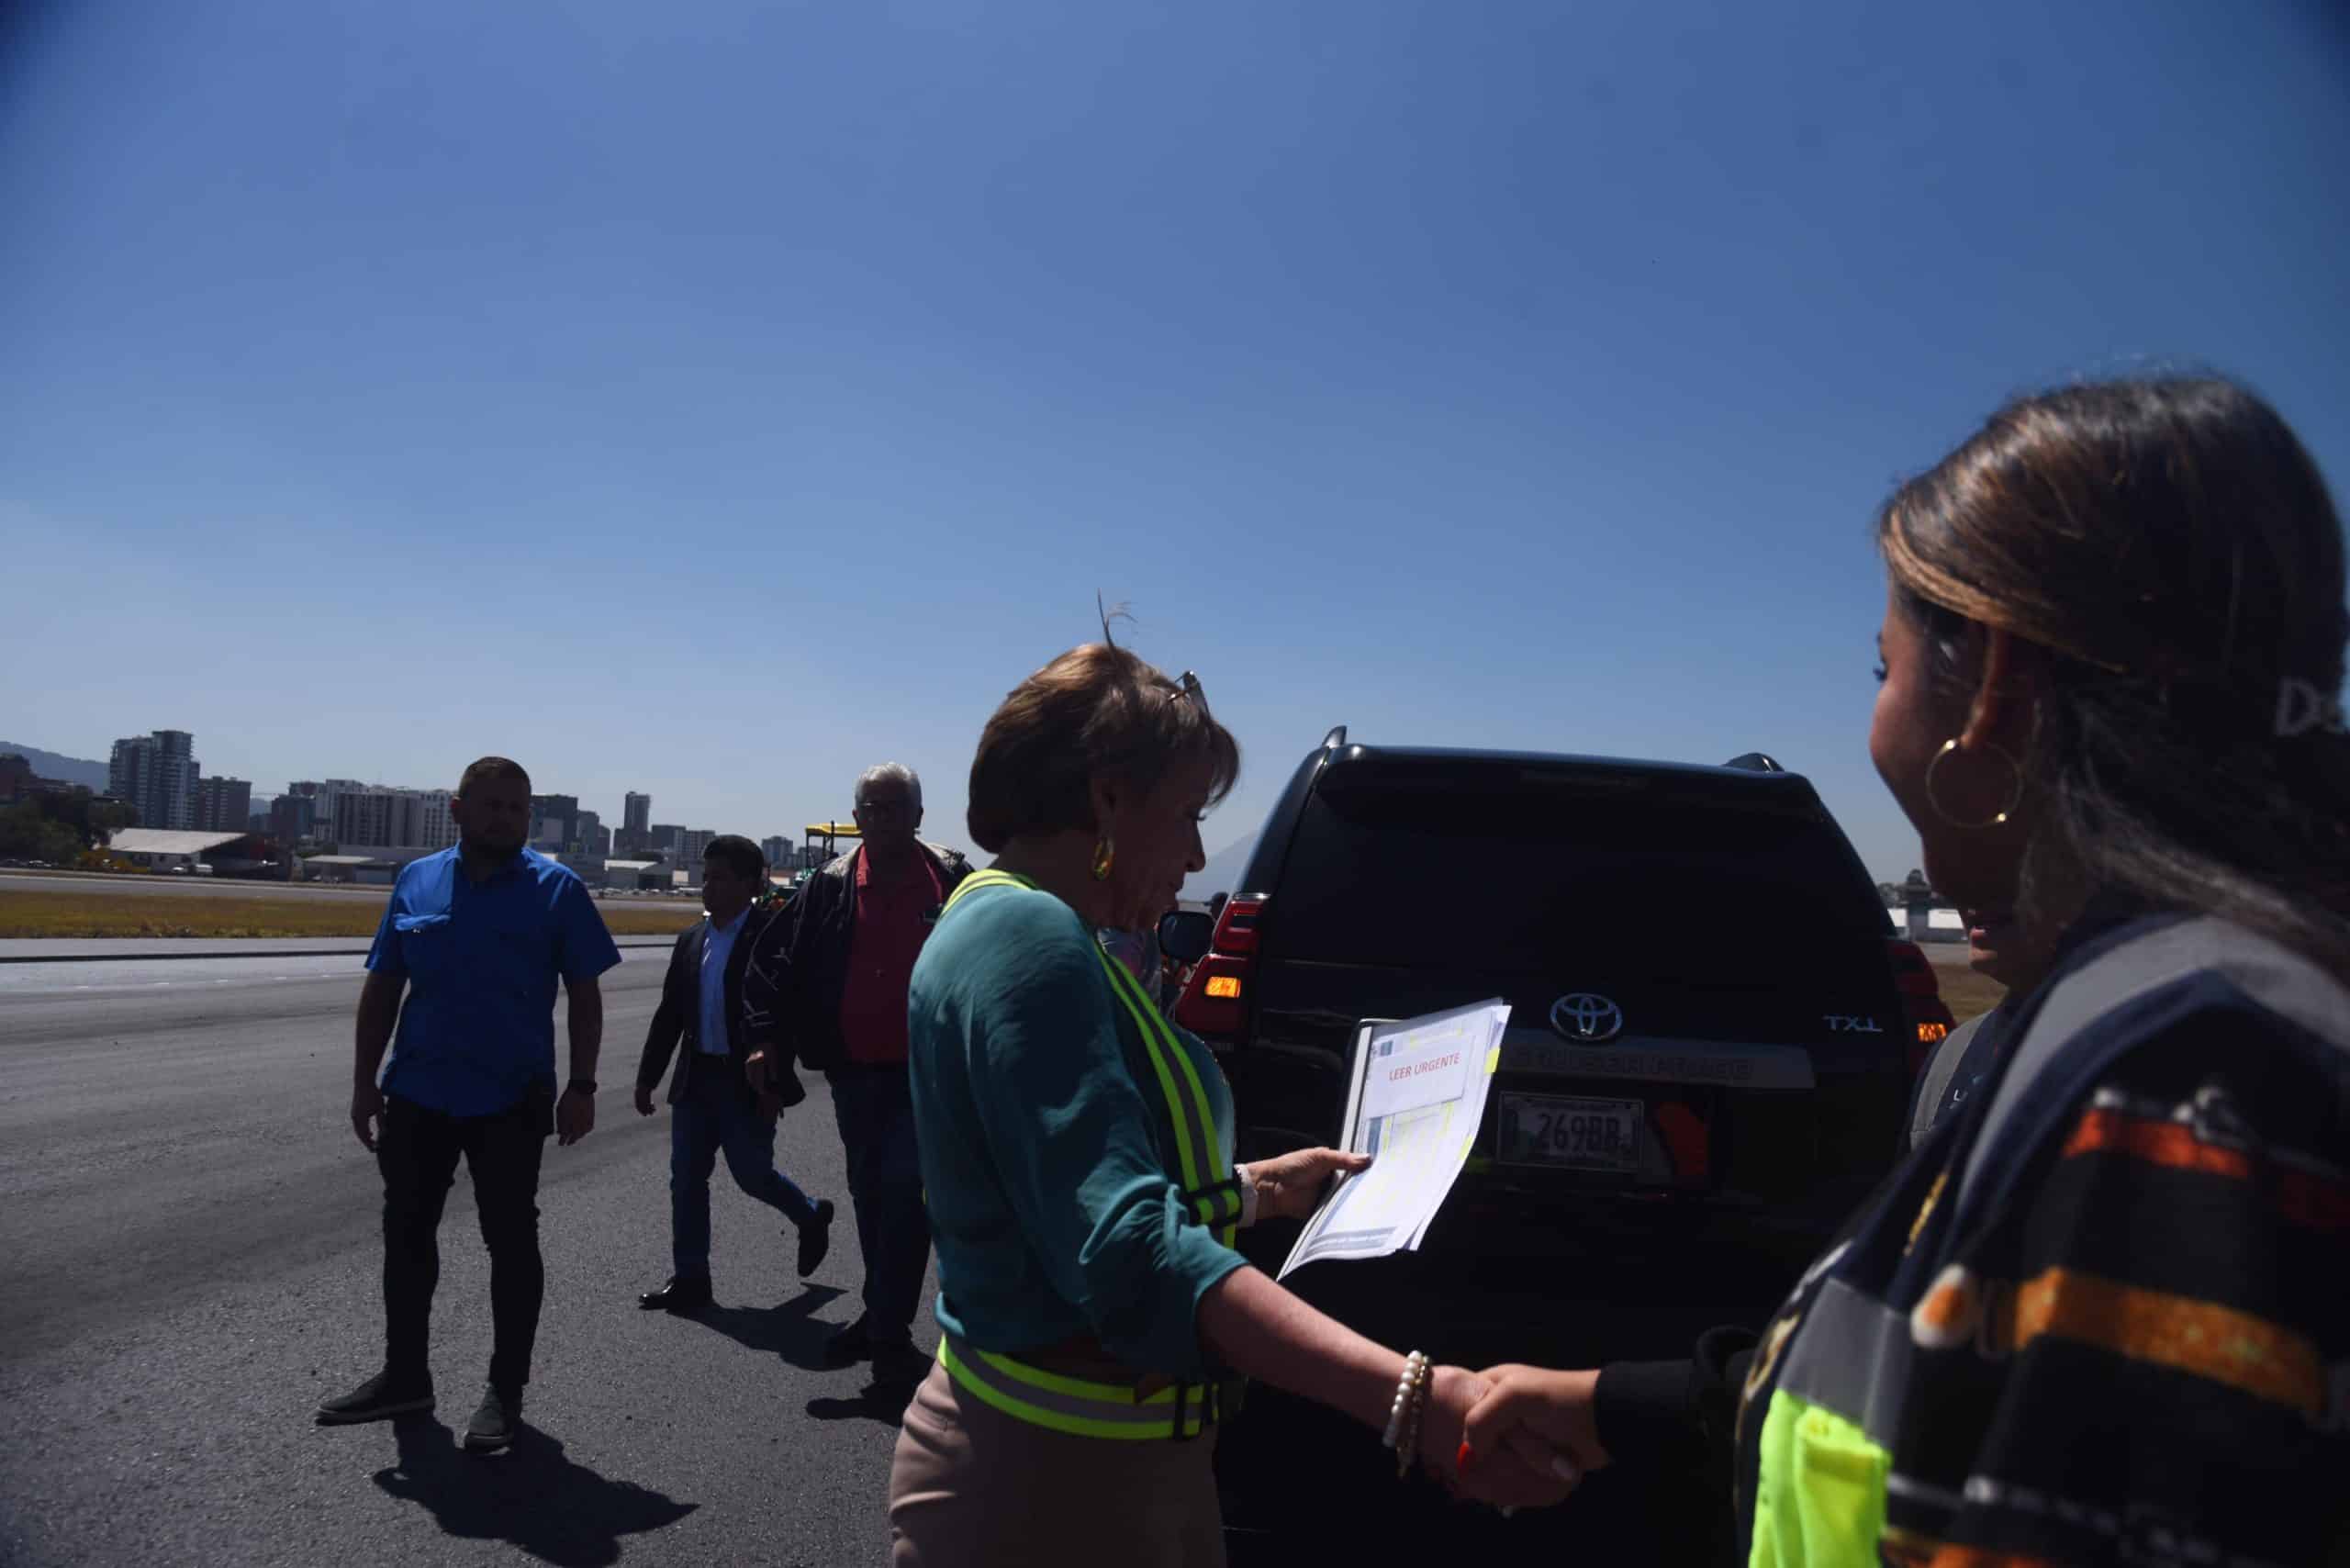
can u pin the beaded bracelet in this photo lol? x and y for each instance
(1411, 1388)
(1408, 1448)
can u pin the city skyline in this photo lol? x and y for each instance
(260, 802)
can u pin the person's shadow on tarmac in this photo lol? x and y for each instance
(788, 1329)
(530, 1495)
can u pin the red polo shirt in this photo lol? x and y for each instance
(891, 922)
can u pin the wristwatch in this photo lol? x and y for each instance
(583, 1085)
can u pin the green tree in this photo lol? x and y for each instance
(28, 833)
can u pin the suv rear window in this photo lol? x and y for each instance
(1512, 868)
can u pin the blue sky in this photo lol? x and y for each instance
(714, 405)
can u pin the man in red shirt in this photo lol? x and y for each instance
(826, 981)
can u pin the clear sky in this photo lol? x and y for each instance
(714, 399)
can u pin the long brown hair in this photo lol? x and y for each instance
(2174, 547)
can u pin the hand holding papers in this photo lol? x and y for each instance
(1416, 1097)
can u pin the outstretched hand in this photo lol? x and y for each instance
(1289, 1186)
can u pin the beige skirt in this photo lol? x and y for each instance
(972, 1485)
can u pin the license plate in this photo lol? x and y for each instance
(1575, 1134)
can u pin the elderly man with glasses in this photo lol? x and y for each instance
(826, 981)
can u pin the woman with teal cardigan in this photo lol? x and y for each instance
(1077, 1157)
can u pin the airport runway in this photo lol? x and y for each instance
(191, 1233)
(192, 1246)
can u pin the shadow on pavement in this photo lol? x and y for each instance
(884, 1399)
(530, 1496)
(788, 1329)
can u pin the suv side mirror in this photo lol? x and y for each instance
(1184, 934)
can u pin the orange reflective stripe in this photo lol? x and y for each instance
(2261, 1358)
(2303, 1197)
(2171, 1144)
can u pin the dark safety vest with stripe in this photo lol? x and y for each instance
(1853, 1440)
(1165, 1068)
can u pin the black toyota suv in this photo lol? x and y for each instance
(1707, 1009)
(1711, 1041)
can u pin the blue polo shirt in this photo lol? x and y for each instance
(481, 962)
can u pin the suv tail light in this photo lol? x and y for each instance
(1921, 999)
(1215, 999)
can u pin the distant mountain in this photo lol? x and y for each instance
(1223, 871)
(49, 764)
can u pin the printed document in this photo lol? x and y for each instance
(1414, 1104)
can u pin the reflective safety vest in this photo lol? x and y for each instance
(1082, 1406)
(1850, 1414)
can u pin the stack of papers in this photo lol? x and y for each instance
(1417, 1097)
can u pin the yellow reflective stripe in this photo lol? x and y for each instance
(1036, 1415)
(1158, 1041)
(979, 879)
(1148, 1015)
(1117, 973)
(1199, 1099)
(1218, 1206)
(1163, 1042)
(1122, 1394)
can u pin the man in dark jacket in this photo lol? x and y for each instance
(713, 1103)
(827, 982)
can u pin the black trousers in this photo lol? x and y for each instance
(418, 1153)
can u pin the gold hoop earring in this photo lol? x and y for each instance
(2015, 788)
(1104, 854)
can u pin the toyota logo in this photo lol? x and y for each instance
(1587, 1018)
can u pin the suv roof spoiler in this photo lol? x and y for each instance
(1754, 762)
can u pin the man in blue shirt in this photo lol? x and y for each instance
(715, 1105)
(478, 937)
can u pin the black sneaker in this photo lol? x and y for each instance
(850, 1345)
(816, 1237)
(380, 1398)
(493, 1425)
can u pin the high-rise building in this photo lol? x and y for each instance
(223, 805)
(693, 848)
(324, 795)
(293, 819)
(667, 838)
(636, 817)
(585, 829)
(779, 849)
(555, 820)
(599, 843)
(394, 819)
(436, 825)
(157, 774)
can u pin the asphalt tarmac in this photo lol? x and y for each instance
(192, 1246)
(191, 1238)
